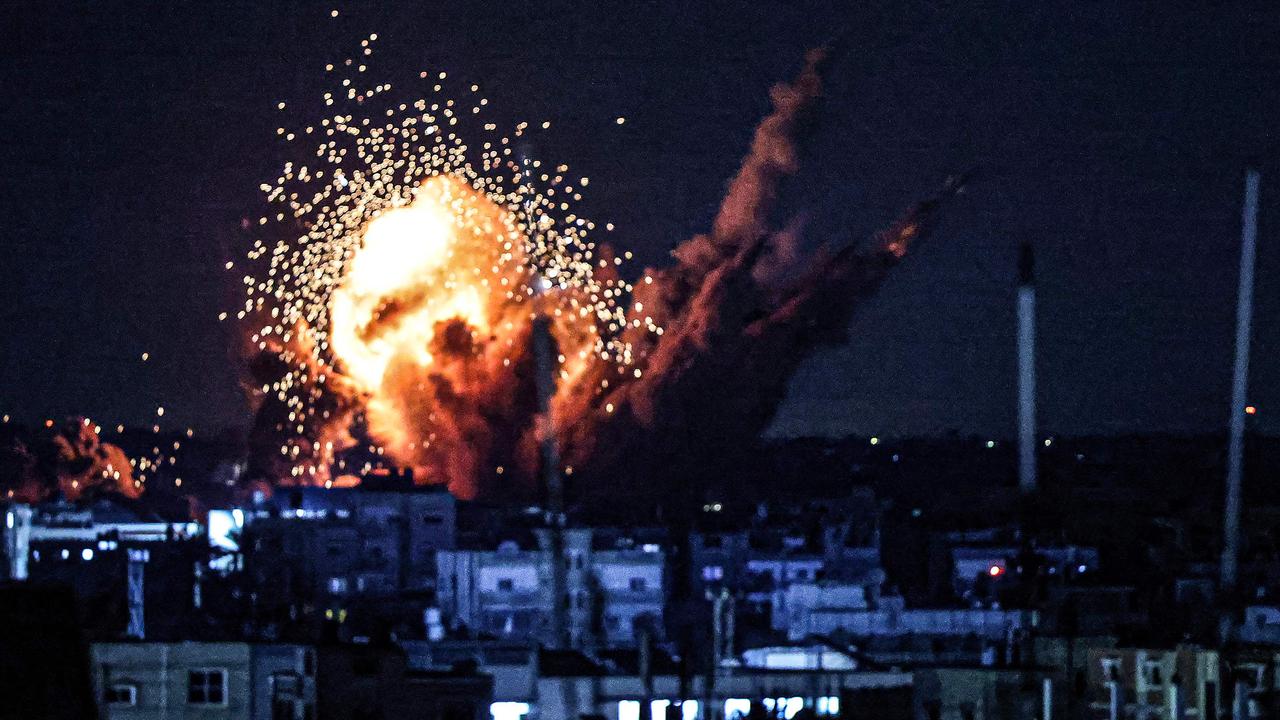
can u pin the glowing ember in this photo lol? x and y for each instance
(407, 301)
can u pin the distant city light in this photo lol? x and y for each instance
(1048, 442)
(875, 441)
(995, 571)
(991, 444)
(1250, 410)
(86, 554)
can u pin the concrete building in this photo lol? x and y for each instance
(828, 541)
(891, 619)
(225, 680)
(1127, 682)
(615, 585)
(968, 693)
(736, 694)
(105, 552)
(379, 681)
(312, 550)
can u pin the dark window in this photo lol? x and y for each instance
(121, 694)
(713, 541)
(309, 663)
(637, 584)
(432, 520)
(207, 687)
(506, 585)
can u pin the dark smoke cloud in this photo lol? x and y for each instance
(735, 329)
(68, 459)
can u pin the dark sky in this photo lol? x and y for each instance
(1114, 136)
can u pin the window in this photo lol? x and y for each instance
(121, 695)
(1152, 673)
(802, 574)
(286, 691)
(309, 663)
(711, 573)
(338, 585)
(1111, 669)
(506, 585)
(207, 687)
(713, 541)
(637, 584)
(432, 520)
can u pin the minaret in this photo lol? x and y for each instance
(553, 485)
(1026, 371)
(1240, 384)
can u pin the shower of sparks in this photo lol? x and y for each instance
(400, 268)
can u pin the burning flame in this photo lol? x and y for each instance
(409, 301)
(433, 307)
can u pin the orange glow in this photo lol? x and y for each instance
(1250, 410)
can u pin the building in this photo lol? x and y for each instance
(379, 681)
(1129, 682)
(225, 680)
(586, 689)
(313, 552)
(968, 693)
(105, 552)
(616, 585)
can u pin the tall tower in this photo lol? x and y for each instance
(1026, 370)
(1240, 384)
(553, 484)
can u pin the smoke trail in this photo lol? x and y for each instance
(734, 331)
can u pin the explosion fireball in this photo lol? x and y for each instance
(396, 316)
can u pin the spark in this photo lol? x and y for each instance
(398, 274)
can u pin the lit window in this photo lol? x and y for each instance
(736, 708)
(338, 585)
(628, 710)
(509, 710)
(207, 687)
(121, 695)
(711, 573)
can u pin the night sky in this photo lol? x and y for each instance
(1114, 138)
